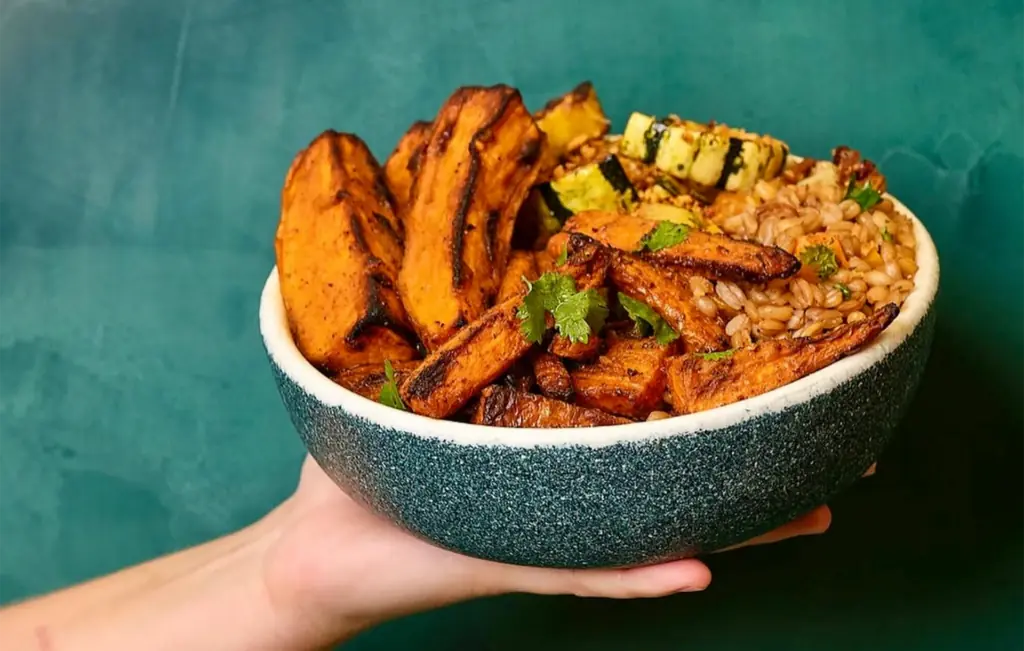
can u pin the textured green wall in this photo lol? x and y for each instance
(143, 147)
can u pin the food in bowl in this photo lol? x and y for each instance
(530, 270)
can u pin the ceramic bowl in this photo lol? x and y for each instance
(613, 496)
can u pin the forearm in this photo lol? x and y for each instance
(209, 597)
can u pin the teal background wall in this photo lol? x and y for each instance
(143, 148)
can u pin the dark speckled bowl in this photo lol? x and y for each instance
(613, 496)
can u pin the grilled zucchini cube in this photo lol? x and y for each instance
(597, 186)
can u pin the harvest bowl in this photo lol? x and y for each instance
(613, 496)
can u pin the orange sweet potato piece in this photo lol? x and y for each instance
(628, 380)
(701, 253)
(476, 356)
(402, 165)
(668, 294)
(577, 351)
(831, 240)
(696, 383)
(367, 379)
(505, 407)
(552, 377)
(521, 264)
(479, 163)
(338, 248)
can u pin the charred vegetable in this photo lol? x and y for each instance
(403, 164)
(480, 161)
(627, 380)
(700, 382)
(338, 252)
(505, 407)
(569, 121)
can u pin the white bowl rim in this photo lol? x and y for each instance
(281, 347)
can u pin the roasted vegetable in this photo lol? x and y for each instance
(698, 252)
(668, 294)
(505, 407)
(569, 121)
(627, 380)
(579, 351)
(697, 383)
(403, 163)
(821, 255)
(521, 264)
(476, 356)
(520, 375)
(338, 252)
(676, 215)
(710, 155)
(552, 377)
(597, 186)
(367, 379)
(480, 161)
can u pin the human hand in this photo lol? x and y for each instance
(335, 568)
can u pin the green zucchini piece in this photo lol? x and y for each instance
(597, 186)
(634, 137)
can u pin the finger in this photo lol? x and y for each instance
(812, 523)
(688, 575)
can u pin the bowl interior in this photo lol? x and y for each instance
(283, 351)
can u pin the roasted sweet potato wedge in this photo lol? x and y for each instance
(568, 122)
(628, 379)
(668, 294)
(479, 163)
(367, 379)
(505, 407)
(403, 163)
(697, 383)
(521, 264)
(701, 253)
(338, 252)
(581, 257)
(476, 356)
(520, 375)
(552, 377)
(578, 351)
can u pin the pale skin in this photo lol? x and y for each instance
(313, 572)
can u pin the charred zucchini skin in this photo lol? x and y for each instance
(712, 156)
(598, 186)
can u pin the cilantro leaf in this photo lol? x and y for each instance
(844, 290)
(531, 313)
(563, 257)
(389, 390)
(714, 357)
(664, 235)
(822, 258)
(576, 314)
(886, 235)
(865, 196)
(647, 320)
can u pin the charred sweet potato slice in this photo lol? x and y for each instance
(577, 351)
(552, 377)
(367, 379)
(627, 380)
(521, 264)
(479, 163)
(701, 253)
(338, 253)
(697, 383)
(477, 355)
(505, 407)
(668, 294)
(403, 163)
(569, 121)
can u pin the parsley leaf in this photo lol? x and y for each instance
(664, 235)
(576, 314)
(865, 196)
(563, 257)
(822, 258)
(389, 390)
(844, 290)
(714, 357)
(647, 320)
(886, 235)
